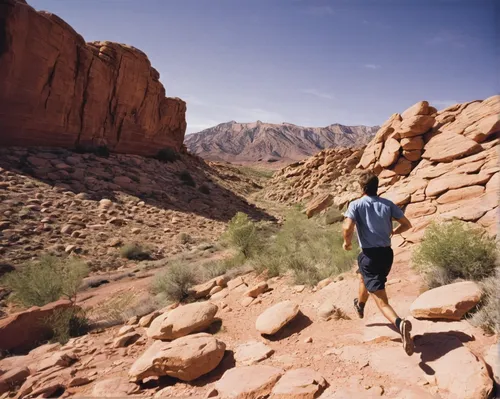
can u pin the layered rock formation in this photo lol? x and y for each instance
(331, 171)
(273, 144)
(56, 90)
(431, 163)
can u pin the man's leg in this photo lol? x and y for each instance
(382, 302)
(363, 294)
(403, 326)
(360, 301)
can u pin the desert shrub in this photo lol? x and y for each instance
(221, 267)
(187, 179)
(67, 323)
(242, 234)
(135, 252)
(185, 238)
(204, 189)
(176, 281)
(167, 155)
(45, 281)
(454, 250)
(488, 315)
(310, 251)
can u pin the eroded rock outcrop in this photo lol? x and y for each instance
(56, 90)
(436, 165)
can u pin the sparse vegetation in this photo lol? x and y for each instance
(167, 155)
(176, 281)
(45, 281)
(454, 251)
(488, 315)
(187, 179)
(221, 267)
(310, 251)
(135, 251)
(242, 235)
(67, 323)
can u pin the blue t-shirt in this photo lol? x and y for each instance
(373, 218)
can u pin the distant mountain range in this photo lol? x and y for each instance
(269, 143)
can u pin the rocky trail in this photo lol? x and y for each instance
(346, 357)
(92, 164)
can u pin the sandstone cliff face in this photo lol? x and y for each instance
(435, 165)
(57, 90)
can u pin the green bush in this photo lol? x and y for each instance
(453, 250)
(167, 155)
(135, 252)
(242, 235)
(187, 179)
(309, 251)
(45, 281)
(488, 315)
(176, 281)
(67, 323)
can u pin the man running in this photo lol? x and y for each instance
(373, 217)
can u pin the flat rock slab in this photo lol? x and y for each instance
(185, 358)
(299, 384)
(458, 373)
(184, 320)
(450, 301)
(252, 352)
(248, 382)
(111, 388)
(276, 317)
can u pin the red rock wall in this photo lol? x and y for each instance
(57, 90)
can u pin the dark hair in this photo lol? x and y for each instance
(369, 183)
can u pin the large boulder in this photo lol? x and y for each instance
(184, 320)
(415, 126)
(248, 382)
(446, 147)
(299, 384)
(450, 301)
(114, 387)
(390, 153)
(186, 358)
(275, 317)
(25, 330)
(71, 93)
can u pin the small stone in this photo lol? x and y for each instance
(308, 340)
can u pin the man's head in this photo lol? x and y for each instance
(369, 183)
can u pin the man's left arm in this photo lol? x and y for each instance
(348, 231)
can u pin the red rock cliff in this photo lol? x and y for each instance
(57, 90)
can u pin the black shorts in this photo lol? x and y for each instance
(374, 265)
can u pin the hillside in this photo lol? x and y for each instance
(269, 143)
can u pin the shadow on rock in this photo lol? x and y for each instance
(299, 323)
(226, 363)
(433, 346)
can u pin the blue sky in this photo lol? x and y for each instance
(307, 62)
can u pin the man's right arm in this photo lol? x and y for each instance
(404, 225)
